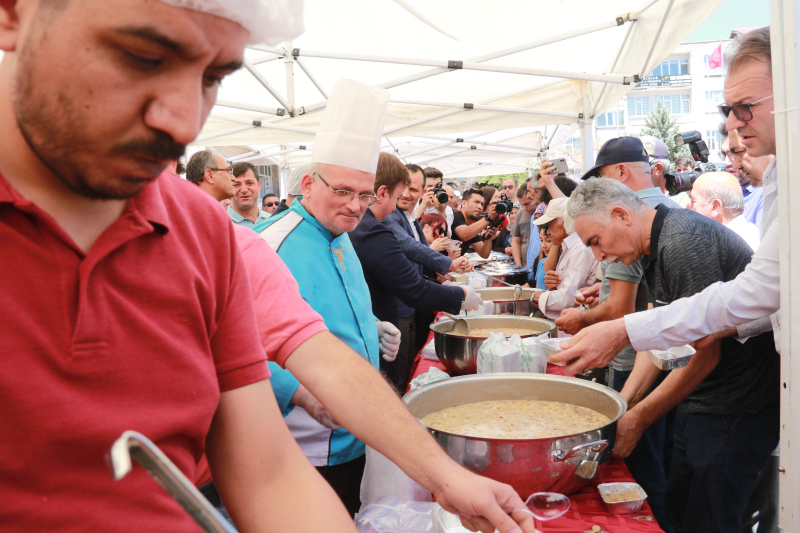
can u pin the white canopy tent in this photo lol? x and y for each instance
(517, 65)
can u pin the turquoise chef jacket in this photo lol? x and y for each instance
(331, 280)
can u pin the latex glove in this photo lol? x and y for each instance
(472, 300)
(389, 337)
(306, 400)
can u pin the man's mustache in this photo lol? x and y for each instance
(160, 147)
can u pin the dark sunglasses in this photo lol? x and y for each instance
(270, 204)
(743, 112)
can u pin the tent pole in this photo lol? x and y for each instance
(311, 77)
(785, 67)
(263, 60)
(468, 105)
(459, 110)
(445, 144)
(289, 62)
(222, 133)
(396, 151)
(587, 141)
(251, 107)
(260, 156)
(263, 81)
(460, 150)
(664, 17)
(242, 156)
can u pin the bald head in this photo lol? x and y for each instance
(717, 195)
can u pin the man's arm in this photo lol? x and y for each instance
(260, 472)
(416, 251)
(640, 381)
(467, 232)
(359, 399)
(483, 248)
(516, 250)
(620, 302)
(679, 384)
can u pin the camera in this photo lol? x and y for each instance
(440, 193)
(678, 182)
(504, 205)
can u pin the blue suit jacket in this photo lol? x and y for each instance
(391, 276)
(418, 252)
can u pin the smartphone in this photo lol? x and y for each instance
(561, 165)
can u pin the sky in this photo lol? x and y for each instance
(732, 14)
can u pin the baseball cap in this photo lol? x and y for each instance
(555, 209)
(619, 150)
(655, 147)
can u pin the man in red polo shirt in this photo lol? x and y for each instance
(125, 301)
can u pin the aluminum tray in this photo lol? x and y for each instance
(623, 507)
(673, 358)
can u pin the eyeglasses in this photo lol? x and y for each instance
(739, 153)
(366, 200)
(506, 187)
(270, 204)
(743, 112)
(229, 170)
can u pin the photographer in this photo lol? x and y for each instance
(436, 198)
(473, 229)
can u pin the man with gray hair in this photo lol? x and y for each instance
(293, 189)
(718, 196)
(622, 291)
(211, 172)
(728, 393)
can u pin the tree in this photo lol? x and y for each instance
(497, 181)
(661, 124)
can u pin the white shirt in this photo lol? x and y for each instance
(751, 296)
(411, 217)
(746, 230)
(577, 267)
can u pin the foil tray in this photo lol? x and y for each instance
(623, 507)
(673, 358)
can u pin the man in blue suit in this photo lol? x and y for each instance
(389, 274)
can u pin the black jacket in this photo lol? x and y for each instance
(391, 276)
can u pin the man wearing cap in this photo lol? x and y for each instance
(152, 325)
(660, 165)
(293, 187)
(576, 267)
(312, 239)
(244, 210)
(624, 291)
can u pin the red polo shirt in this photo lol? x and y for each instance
(141, 333)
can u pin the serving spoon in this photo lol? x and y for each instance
(517, 288)
(459, 327)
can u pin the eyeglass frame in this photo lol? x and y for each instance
(229, 170)
(723, 155)
(270, 204)
(504, 187)
(722, 108)
(342, 193)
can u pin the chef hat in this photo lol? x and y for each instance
(268, 21)
(352, 127)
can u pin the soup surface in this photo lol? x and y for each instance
(485, 332)
(515, 419)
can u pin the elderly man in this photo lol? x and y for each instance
(733, 153)
(244, 210)
(390, 275)
(153, 325)
(622, 291)
(728, 392)
(718, 196)
(335, 196)
(455, 200)
(576, 266)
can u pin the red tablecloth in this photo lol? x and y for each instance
(587, 508)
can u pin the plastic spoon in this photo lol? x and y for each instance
(460, 326)
(545, 505)
(575, 294)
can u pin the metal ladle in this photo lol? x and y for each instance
(460, 326)
(517, 288)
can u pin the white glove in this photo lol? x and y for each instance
(472, 300)
(389, 337)
(303, 398)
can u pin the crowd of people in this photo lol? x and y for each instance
(262, 342)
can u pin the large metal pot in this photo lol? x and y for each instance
(508, 273)
(506, 304)
(460, 354)
(561, 464)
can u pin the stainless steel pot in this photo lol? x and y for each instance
(460, 354)
(509, 273)
(561, 464)
(504, 302)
